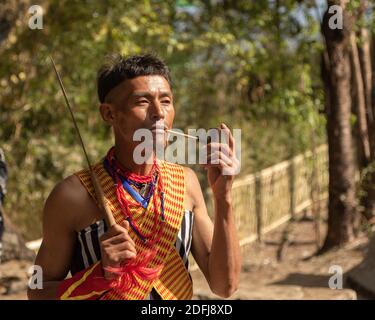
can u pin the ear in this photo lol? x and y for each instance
(107, 112)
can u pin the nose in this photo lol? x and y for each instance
(157, 112)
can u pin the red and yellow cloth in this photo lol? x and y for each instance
(174, 282)
(88, 284)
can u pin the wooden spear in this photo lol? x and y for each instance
(98, 189)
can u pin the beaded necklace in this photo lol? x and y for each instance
(123, 179)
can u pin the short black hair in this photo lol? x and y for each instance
(118, 68)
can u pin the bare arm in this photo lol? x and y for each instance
(54, 255)
(215, 247)
(61, 218)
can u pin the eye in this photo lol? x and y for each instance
(143, 101)
(165, 101)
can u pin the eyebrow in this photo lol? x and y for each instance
(148, 94)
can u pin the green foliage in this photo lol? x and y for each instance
(250, 64)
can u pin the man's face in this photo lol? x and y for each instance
(142, 102)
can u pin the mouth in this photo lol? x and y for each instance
(159, 129)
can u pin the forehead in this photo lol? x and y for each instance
(129, 88)
(147, 83)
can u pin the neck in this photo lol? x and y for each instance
(124, 155)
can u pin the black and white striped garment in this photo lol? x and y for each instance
(87, 249)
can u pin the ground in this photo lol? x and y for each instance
(297, 275)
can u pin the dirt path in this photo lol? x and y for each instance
(295, 276)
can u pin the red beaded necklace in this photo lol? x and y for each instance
(128, 273)
(122, 177)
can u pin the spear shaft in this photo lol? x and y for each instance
(97, 187)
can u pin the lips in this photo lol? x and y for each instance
(159, 129)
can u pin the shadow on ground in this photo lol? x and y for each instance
(305, 280)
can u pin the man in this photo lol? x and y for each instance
(3, 180)
(158, 206)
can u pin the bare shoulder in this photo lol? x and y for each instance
(194, 195)
(191, 180)
(65, 201)
(191, 176)
(68, 189)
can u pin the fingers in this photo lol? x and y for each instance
(217, 146)
(114, 231)
(125, 224)
(227, 144)
(126, 246)
(222, 154)
(116, 245)
(121, 248)
(217, 151)
(120, 253)
(231, 141)
(221, 165)
(116, 259)
(121, 238)
(215, 157)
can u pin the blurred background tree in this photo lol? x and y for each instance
(347, 75)
(251, 64)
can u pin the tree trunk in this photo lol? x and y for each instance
(315, 191)
(373, 72)
(364, 53)
(366, 71)
(337, 76)
(359, 105)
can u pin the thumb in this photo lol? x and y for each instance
(125, 224)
